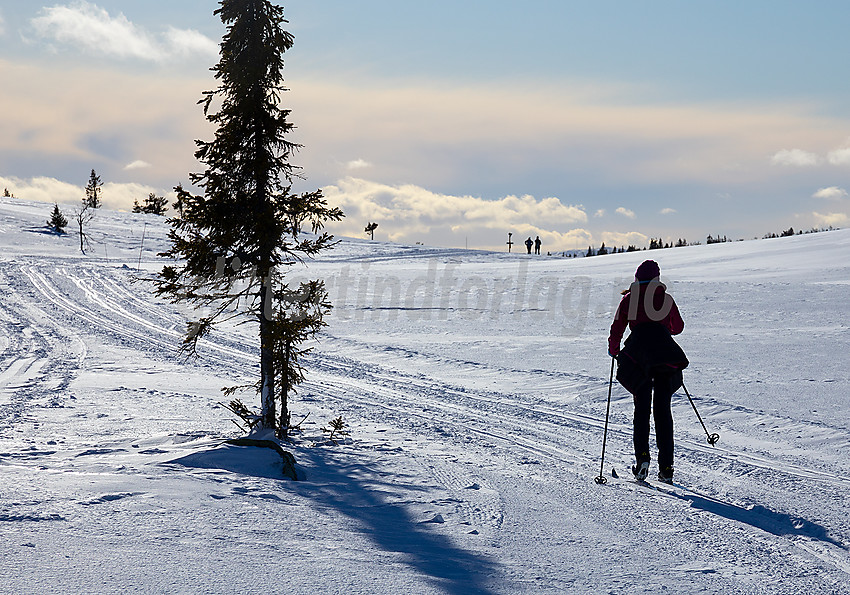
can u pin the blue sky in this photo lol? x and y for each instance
(453, 123)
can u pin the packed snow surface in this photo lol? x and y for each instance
(475, 388)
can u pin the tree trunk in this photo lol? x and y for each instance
(266, 360)
(283, 427)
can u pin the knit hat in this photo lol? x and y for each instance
(647, 271)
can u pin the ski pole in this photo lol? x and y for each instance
(601, 478)
(712, 438)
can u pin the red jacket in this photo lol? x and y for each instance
(633, 312)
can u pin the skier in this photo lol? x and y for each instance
(650, 364)
(537, 244)
(529, 243)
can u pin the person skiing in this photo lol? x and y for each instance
(650, 364)
(529, 243)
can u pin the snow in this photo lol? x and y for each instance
(475, 388)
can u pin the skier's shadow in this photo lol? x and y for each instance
(359, 493)
(761, 517)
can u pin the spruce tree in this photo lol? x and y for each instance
(57, 222)
(233, 241)
(153, 205)
(93, 191)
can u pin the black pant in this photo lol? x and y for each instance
(654, 396)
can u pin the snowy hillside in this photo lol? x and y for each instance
(475, 387)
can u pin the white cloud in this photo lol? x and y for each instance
(832, 192)
(132, 115)
(668, 211)
(122, 195)
(626, 212)
(624, 240)
(599, 213)
(43, 189)
(188, 42)
(91, 28)
(50, 190)
(795, 157)
(834, 219)
(839, 156)
(410, 213)
(138, 164)
(357, 164)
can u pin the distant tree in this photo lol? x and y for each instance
(6, 193)
(153, 205)
(602, 250)
(370, 229)
(94, 191)
(182, 196)
(590, 251)
(788, 232)
(57, 222)
(234, 241)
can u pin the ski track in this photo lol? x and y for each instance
(48, 308)
(39, 362)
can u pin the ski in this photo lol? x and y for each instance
(657, 485)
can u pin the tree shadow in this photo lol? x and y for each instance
(761, 517)
(357, 492)
(46, 231)
(244, 460)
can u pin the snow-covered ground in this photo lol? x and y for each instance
(475, 386)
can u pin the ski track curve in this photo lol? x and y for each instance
(40, 359)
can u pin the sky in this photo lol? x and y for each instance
(453, 123)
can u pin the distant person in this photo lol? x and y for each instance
(528, 244)
(537, 244)
(650, 364)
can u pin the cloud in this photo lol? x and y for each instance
(131, 114)
(409, 213)
(796, 158)
(624, 240)
(626, 212)
(668, 211)
(90, 28)
(357, 164)
(833, 219)
(833, 193)
(599, 213)
(435, 134)
(188, 42)
(839, 156)
(44, 189)
(138, 164)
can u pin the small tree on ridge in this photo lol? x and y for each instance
(93, 191)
